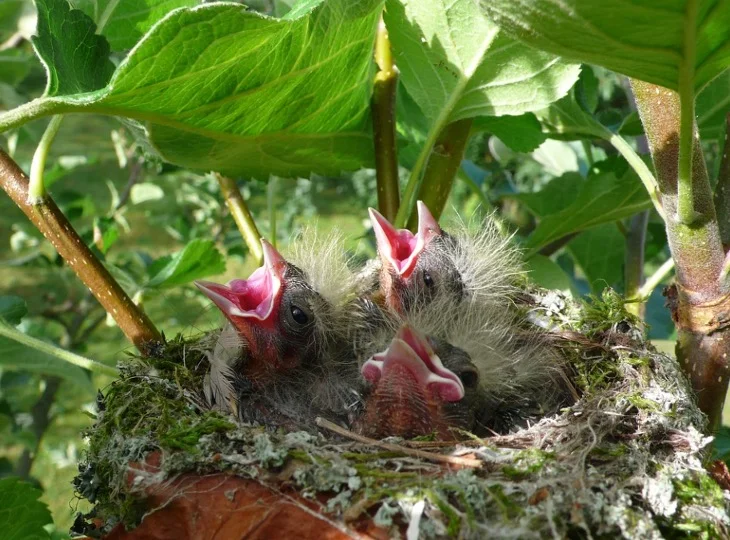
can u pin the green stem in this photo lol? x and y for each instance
(636, 163)
(62, 354)
(241, 215)
(588, 151)
(383, 112)
(685, 199)
(634, 260)
(271, 207)
(445, 160)
(36, 187)
(474, 187)
(32, 110)
(655, 279)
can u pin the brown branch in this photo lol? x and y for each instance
(383, 112)
(699, 302)
(50, 221)
(438, 458)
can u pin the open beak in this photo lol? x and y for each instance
(253, 298)
(412, 351)
(400, 247)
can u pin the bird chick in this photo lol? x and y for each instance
(473, 265)
(419, 386)
(277, 314)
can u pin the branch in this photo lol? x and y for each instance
(383, 111)
(655, 279)
(444, 162)
(50, 221)
(36, 188)
(722, 189)
(241, 215)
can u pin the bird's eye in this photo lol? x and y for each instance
(427, 279)
(298, 315)
(469, 378)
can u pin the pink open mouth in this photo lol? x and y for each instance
(400, 247)
(411, 350)
(254, 297)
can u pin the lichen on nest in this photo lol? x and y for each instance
(626, 460)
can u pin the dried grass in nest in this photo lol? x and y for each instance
(626, 460)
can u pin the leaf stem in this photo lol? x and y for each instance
(50, 221)
(50, 349)
(32, 110)
(464, 177)
(655, 279)
(36, 188)
(445, 160)
(241, 215)
(636, 163)
(383, 112)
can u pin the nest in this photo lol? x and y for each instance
(626, 460)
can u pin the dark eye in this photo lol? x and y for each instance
(427, 279)
(298, 315)
(469, 378)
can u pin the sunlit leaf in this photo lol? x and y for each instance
(644, 39)
(199, 259)
(457, 64)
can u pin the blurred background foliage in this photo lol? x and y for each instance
(146, 218)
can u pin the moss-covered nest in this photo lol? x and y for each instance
(626, 460)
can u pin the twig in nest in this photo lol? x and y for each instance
(438, 458)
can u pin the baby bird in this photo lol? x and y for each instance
(284, 352)
(419, 386)
(470, 265)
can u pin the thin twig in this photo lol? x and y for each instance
(50, 221)
(655, 279)
(135, 173)
(383, 112)
(412, 452)
(241, 215)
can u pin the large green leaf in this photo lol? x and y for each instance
(521, 133)
(600, 254)
(220, 88)
(22, 514)
(124, 22)
(75, 58)
(604, 197)
(556, 195)
(456, 64)
(198, 259)
(656, 41)
(546, 273)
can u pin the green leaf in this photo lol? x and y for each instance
(10, 13)
(600, 254)
(521, 133)
(556, 195)
(657, 42)
(713, 106)
(456, 64)
(604, 198)
(220, 88)
(124, 22)
(75, 58)
(566, 119)
(198, 259)
(546, 273)
(145, 192)
(556, 157)
(22, 514)
(106, 233)
(12, 309)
